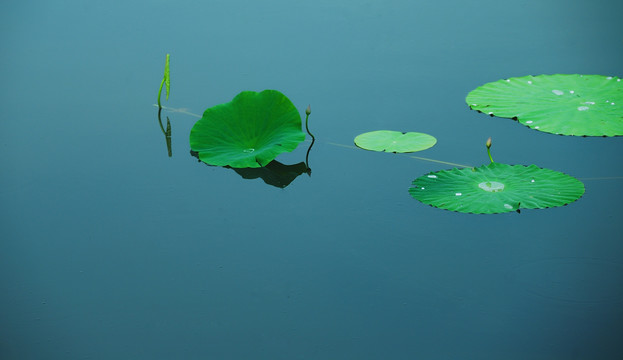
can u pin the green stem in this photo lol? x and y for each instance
(489, 153)
(307, 127)
(160, 122)
(307, 112)
(160, 92)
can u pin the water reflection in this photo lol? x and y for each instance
(167, 132)
(274, 173)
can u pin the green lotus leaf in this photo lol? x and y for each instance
(584, 105)
(248, 132)
(496, 188)
(394, 141)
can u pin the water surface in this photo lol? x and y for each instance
(112, 249)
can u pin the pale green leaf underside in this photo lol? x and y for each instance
(250, 131)
(167, 81)
(496, 188)
(583, 105)
(394, 141)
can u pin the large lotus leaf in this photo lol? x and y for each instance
(586, 105)
(496, 188)
(394, 141)
(249, 131)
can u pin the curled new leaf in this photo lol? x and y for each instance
(167, 79)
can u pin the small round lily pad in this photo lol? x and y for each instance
(496, 188)
(394, 141)
(565, 104)
(248, 132)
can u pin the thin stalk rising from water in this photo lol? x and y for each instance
(165, 80)
(307, 112)
(489, 148)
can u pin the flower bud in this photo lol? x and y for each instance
(489, 143)
(308, 110)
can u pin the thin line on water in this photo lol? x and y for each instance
(341, 145)
(603, 178)
(440, 162)
(181, 111)
(411, 156)
(184, 111)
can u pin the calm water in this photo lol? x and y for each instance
(111, 249)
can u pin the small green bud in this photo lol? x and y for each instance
(489, 149)
(308, 110)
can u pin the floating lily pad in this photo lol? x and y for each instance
(248, 132)
(394, 141)
(584, 105)
(496, 188)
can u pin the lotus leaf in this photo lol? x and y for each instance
(250, 131)
(496, 188)
(394, 141)
(584, 105)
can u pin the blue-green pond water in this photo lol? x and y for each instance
(111, 249)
